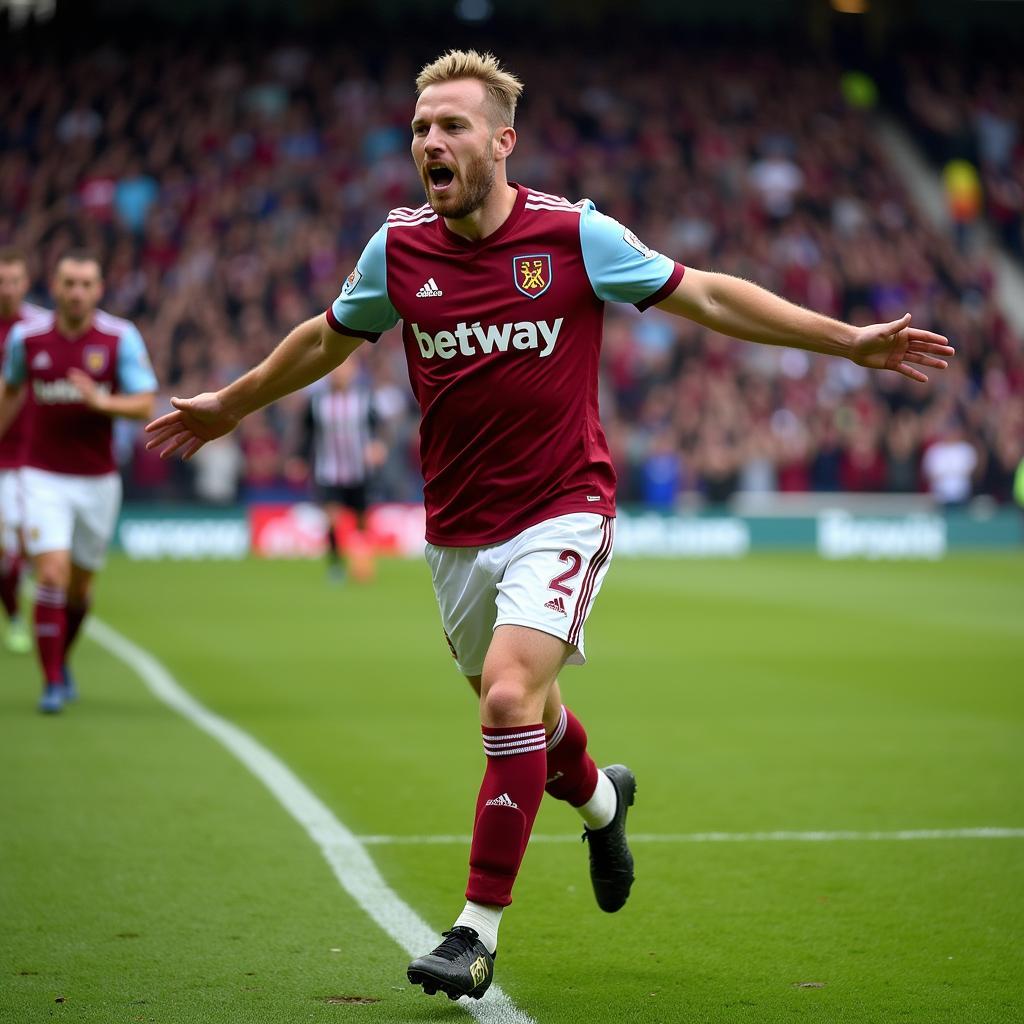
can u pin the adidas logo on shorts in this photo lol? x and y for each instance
(556, 604)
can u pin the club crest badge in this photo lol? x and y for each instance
(532, 274)
(351, 282)
(630, 239)
(95, 358)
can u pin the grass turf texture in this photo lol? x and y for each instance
(147, 877)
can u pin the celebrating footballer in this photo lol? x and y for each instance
(501, 292)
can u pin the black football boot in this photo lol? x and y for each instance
(611, 863)
(460, 966)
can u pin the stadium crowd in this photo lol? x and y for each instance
(230, 193)
(974, 113)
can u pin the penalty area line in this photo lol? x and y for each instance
(342, 850)
(904, 835)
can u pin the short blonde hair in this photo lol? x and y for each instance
(503, 88)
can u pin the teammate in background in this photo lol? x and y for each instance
(501, 290)
(340, 435)
(13, 308)
(79, 367)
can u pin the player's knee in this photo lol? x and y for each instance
(53, 572)
(52, 578)
(507, 703)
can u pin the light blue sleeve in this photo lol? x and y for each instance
(620, 267)
(363, 309)
(14, 357)
(134, 371)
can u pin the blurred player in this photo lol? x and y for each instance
(340, 434)
(501, 290)
(80, 368)
(13, 308)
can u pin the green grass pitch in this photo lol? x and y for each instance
(145, 876)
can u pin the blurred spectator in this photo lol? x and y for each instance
(662, 473)
(902, 457)
(862, 466)
(134, 194)
(949, 464)
(218, 470)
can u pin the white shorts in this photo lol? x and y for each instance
(12, 507)
(546, 577)
(70, 513)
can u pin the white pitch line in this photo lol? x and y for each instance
(731, 837)
(342, 850)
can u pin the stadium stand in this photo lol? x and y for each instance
(230, 192)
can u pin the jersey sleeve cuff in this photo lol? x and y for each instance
(339, 328)
(665, 290)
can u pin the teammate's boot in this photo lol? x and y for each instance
(17, 639)
(460, 966)
(611, 863)
(69, 684)
(52, 699)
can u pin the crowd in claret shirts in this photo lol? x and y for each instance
(230, 192)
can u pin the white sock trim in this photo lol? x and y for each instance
(559, 730)
(599, 810)
(484, 921)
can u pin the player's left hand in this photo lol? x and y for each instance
(91, 393)
(193, 422)
(897, 345)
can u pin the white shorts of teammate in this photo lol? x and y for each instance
(12, 507)
(546, 577)
(70, 513)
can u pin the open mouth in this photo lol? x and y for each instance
(440, 177)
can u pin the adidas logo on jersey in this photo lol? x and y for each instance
(556, 604)
(503, 801)
(429, 291)
(474, 339)
(42, 361)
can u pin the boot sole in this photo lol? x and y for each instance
(431, 985)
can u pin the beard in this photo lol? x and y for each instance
(473, 190)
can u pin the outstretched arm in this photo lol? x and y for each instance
(306, 354)
(743, 310)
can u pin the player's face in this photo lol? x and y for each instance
(13, 286)
(77, 287)
(453, 147)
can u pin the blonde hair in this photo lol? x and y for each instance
(503, 88)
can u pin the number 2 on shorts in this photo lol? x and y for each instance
(575, 562)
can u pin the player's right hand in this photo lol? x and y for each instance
(193, 422)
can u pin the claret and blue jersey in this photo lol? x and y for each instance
(67, 436)
(502, 338)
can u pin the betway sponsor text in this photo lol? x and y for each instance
(61, 392)
(474, 339)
